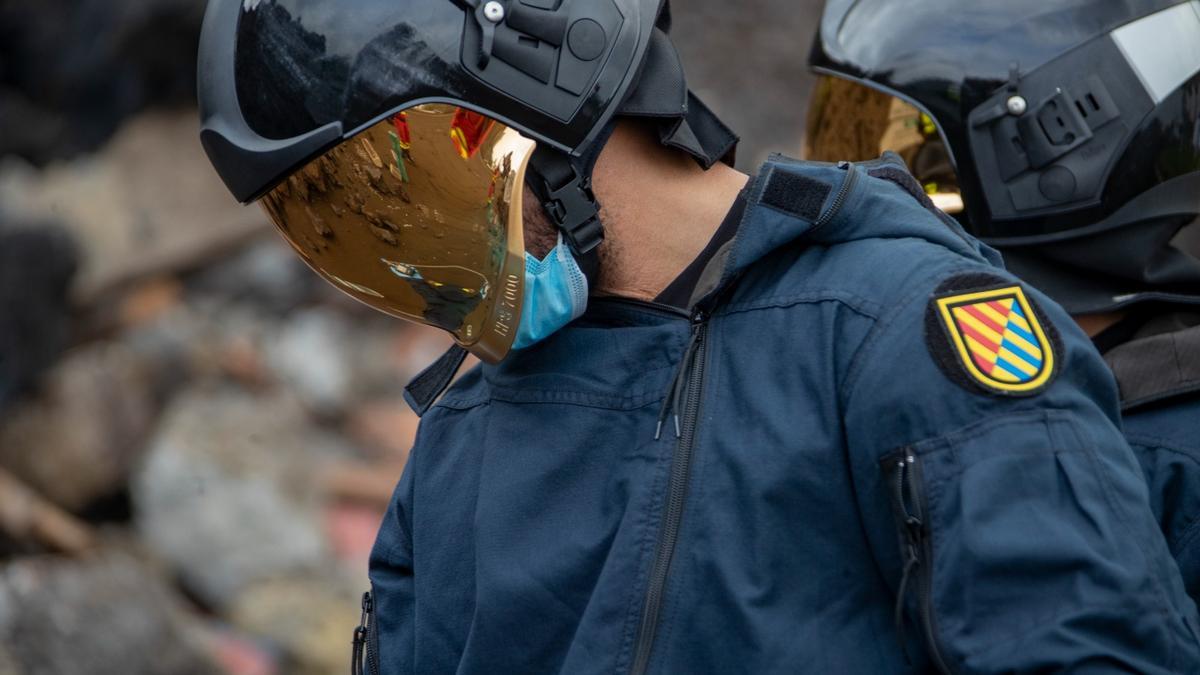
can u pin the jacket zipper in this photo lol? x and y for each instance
(691, 378)
(365, 637)
(843, 194)
(911, 507)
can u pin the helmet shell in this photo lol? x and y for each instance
(281, 81)
(956, 59)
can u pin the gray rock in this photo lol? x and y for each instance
(311, 355)
(107, 614)
(78, 440)
(227, 494)
(267, 273)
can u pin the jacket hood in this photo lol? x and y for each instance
(822, 204)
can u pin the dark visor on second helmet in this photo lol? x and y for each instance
(851, 121)
(419, 216)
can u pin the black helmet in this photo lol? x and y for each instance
(389, 140)
(1065, 133)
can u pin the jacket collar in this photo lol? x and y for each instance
(828, 204)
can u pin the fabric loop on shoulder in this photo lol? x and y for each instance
(426, 388)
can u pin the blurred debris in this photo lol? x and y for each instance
(311, 356)
(371, 484)
(149, 300)
(352, 527)
(37, 264)
(190, 341)
(78, 440)
(266, 273)
(306, 617)
(388, 426)
(148, 204)
(228, 494)
(26, 518)
(240, 655)
(110, 613)
(72, 70)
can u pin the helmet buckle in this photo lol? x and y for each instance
(575, 212)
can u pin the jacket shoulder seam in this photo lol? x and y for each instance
(874, 336)
(462, 404)
(851, 301)
(1159, 443)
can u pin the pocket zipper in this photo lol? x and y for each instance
(365, 638)
(911, 509)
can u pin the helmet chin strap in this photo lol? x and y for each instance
(563, 182)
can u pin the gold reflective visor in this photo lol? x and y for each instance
(419, 216)
(850, 121)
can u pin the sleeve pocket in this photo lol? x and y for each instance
(1025, 546)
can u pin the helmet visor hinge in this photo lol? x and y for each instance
(487, 17)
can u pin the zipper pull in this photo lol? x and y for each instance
(670, 406)
(912, 531)
(911, 562)
(360, 635)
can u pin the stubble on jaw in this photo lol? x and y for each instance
(541, 235)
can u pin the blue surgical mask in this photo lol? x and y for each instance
(556, 293)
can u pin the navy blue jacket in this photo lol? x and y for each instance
(844, 481)
(1158, 373)
(1166, 438)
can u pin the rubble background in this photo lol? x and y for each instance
(197, 437)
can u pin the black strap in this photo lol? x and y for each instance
(1159, 366)
(426, 388)
(564, 186)
(563, 183)
(683, 121)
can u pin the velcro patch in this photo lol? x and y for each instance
(797, 195)
(992, 338)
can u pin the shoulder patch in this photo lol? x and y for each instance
(987, 335)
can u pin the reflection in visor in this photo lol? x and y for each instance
(446, 304)
(417, 226)
(401, 144)
(469, 130)
(849, 121)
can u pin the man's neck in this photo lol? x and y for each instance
(1095, 324)
(660, 209)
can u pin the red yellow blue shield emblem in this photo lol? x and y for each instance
(999, 339)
